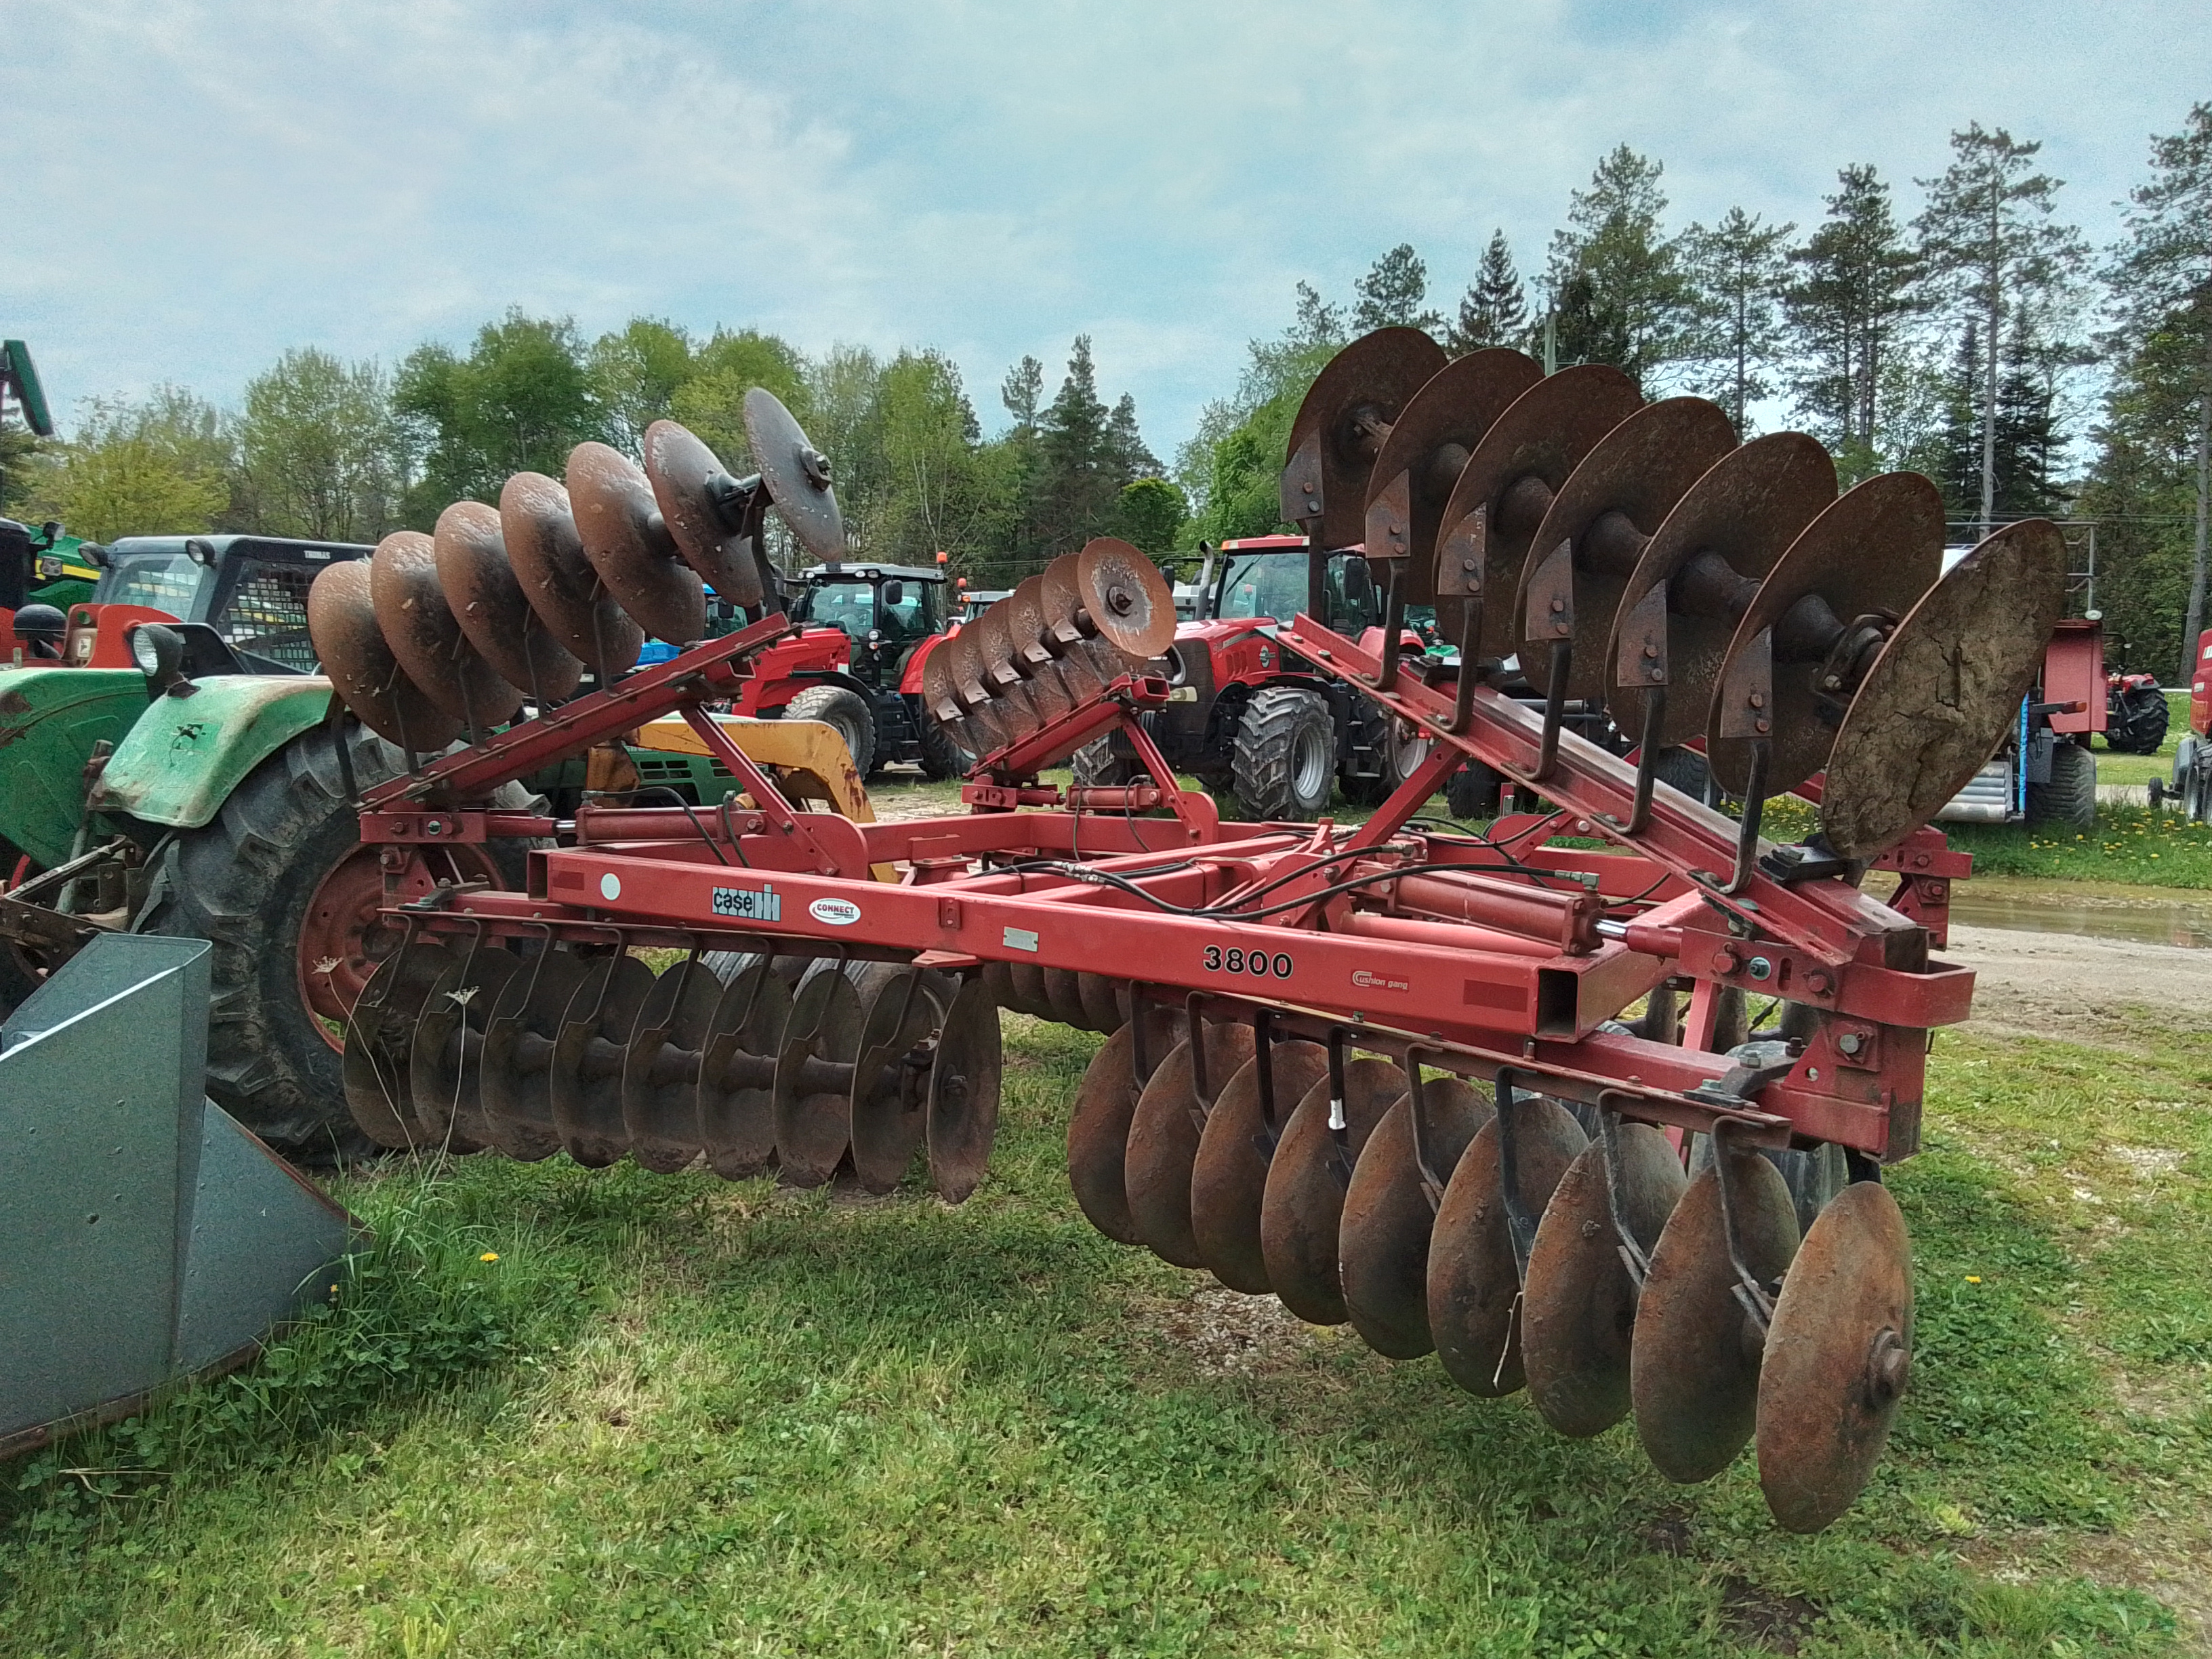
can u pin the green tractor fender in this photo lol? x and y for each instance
(50, 719)
(180, 761)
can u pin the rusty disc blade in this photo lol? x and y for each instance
(587, 1067)
(488, 604)
(995, 642)
(1873, 552)
(1303, 1202)
(420, 627)
(1101, 1007)
(1026, 619)
(1164, 1135)
(660, 1073)
(963, 1094)
(1747, 509)
(736, 1096)
(515, 1086)
(1474, 1283)
(1342, 423)
(890, 1078)
(683, 473)
(1837, 1359)
(1693, 1370)
(375, 1066)
(1431, 441)
(1065, 996)
(1229, 1177)
(1026, 983)
(814, 1077)
(797, 474)
(1125, 597)
(563, 588)
(1062, 594)
(368, 676)
(1382, 1243)
(1098, 1131)
(1639, 471)
(1047, 692)
(1508, 482)
(630, 547)
(1578, 1308)
(1945, 691)
(973, 727)
(443, 1063)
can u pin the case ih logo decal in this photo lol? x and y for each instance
(1366, 979)
(766, 905)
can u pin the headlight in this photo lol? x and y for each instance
(160, 653)
(145, 650)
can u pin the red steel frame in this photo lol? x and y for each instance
(1497, 951)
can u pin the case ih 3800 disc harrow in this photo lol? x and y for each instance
(1378, 1071)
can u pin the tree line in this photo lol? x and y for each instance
(335, 451)
(1975, 337)
(1979, 340)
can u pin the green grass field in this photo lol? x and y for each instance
(561, 1411)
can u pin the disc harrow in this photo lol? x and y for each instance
(1490, 1095)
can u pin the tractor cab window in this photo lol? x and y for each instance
(906, 611)
(1272, 585)
(848, 605)
(166, 581)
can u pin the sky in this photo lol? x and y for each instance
(189, 189)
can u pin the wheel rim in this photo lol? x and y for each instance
(340, 943)
(1410, 751)
(1312, 763)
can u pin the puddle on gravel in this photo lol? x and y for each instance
(2143, 915)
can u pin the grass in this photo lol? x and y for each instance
(2130, 844)
(678, 1417)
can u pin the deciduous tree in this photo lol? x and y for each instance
(158, 467)
(318, 449)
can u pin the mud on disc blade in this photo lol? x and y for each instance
(558, 580)
(797, 474)
(342, 624)
(424, 633)
(488, 601)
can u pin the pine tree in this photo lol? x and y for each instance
(1959, 445)
(1085, 453)
(1494, 310)
(1391, 293)
(1992, 251)
(1854, 289)
(1631, 304)
(2161, 280)
(1736, 272)
(1021, 391)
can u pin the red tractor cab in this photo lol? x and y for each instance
(1254, 721)
(856, 663)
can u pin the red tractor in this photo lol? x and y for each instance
(1255, 721)
(857, 665)
(2136, 715)
(2192, 756)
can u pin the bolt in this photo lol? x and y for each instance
(1758, 699)
(1468, 565)
(1650, 650)
(1812, 1075)
(1559, 603)
(1760, 727)
(1759, 968)
(1818, 981)
(1119, 601)
(1724, 962)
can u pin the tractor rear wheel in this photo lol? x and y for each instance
(1096, 766)
(2070, 796)
(941, 757)
(1473, 792)
(2142, 721)
(1398, 749)
(282, 886)
(1285, 754)
(846, 711)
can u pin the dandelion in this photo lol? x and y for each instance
(488, 1255)
(1974, 1278)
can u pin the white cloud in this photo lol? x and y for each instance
(211, 182)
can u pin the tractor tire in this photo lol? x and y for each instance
(941, 757)
(1685, 770)
(1286, 756)
(846, 711)
(1096, 766)
(2188, 785)
(1473, 792)
(2070, 798)
(2141, 723)
(1401, 749)
(247, 884)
